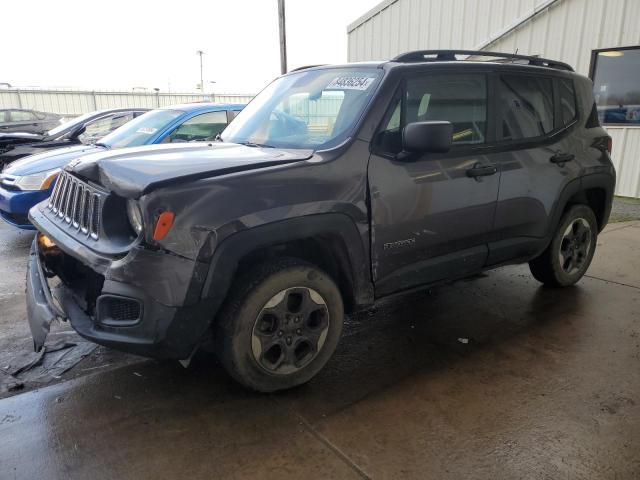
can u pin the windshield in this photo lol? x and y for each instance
(70, 124)
(315, 109)
(140, 130)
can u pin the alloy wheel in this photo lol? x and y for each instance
(574, 246)
(290, 330)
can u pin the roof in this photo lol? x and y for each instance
(371, 13)
(206, 106)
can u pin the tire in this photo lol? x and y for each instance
(571, 250)
(280, 325)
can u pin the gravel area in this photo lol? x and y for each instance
(625, 209)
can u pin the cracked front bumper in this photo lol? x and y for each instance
(161, 331)
(41, 309)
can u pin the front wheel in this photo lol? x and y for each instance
(280, 326)
(571, 250)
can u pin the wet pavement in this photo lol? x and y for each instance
(16, 346)
(492, 377)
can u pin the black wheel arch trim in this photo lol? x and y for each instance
(228, 254)
(604, 181)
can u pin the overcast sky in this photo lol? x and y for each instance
(143, 43)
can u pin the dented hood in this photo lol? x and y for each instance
(132, 172)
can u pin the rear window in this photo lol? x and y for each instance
(567, 96)
(526, 106)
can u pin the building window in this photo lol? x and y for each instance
(615, 74)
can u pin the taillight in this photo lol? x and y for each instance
(609, 145)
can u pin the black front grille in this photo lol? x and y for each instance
(76, 204)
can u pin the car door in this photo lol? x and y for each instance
(431, 213)
(23, 121)
(4, 121)
(534, 119)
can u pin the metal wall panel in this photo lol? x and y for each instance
(79, 102)
(397, 26)
(566, 30)
(625, 154)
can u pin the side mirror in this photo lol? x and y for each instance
(427, 137)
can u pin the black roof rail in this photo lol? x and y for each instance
(450, 56)
(307, 66)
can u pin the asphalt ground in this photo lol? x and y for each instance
(491, 377)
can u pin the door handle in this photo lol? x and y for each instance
(482, 170)
(562, 157)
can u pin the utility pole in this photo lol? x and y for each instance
(200, 52)
(283, 37)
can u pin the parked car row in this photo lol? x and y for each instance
(25, 182)
(82, 130)
(335, 187)
(30, 121)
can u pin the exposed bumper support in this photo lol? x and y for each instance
(41, 309)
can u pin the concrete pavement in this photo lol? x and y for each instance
(547, 386)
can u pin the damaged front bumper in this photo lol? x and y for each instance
(41, 309)
(147, 303)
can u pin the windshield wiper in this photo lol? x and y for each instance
(251, 144)
(100, 144)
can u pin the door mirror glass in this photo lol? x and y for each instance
(427, 137)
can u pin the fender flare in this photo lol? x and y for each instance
(596, 180)
(232, 249)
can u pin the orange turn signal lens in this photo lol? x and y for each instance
(45, 242)
(49, 180)
(163, 225)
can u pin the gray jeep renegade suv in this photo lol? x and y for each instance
(336, 186)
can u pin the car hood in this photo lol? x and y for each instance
(56, 158)
(20, 135)
(18, 138)
(132, 172)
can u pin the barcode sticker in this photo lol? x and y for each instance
(350, 83)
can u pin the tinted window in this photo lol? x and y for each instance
(616, 86)
(527, 106)
(21, 116)
(97, 129)
(459, 99)
(567, 100)
(200, 127)
(70, 125)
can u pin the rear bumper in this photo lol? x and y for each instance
(15, 205)
(141, 304)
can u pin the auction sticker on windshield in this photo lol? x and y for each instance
(350, 83)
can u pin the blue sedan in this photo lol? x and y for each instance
(30, 180)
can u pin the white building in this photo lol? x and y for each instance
(599, 38)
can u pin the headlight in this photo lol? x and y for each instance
(135, 216)
(37, 181)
